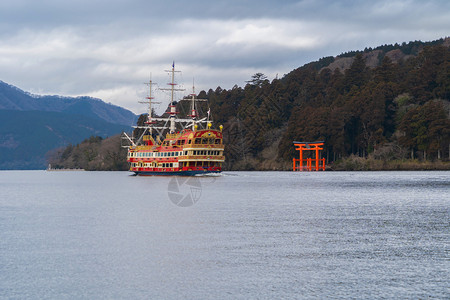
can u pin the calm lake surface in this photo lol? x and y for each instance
(247, 235)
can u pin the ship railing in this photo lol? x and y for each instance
(172, 135)
(141, 148)
(203, 145)
(201, 157)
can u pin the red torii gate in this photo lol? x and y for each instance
(319, 164)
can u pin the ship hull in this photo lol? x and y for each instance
(175, 173)
(185, 153)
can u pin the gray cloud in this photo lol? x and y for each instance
(108, 48)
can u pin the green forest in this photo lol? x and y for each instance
(382, 108)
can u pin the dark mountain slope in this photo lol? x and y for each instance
(26, 136)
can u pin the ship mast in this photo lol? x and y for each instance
(150, 98)
(172, 112)
(194, 115)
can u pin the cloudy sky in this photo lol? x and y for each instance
(108, 49)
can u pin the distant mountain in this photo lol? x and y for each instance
(13, 98)
(32, 125)
(27, 136)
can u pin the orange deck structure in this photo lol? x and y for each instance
(308, 164)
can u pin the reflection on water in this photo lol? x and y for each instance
(243, 234)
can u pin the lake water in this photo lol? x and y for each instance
(247, 235)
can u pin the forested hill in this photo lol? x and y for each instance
(383, 106)
(391, 102)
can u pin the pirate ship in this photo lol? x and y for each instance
(174, 146)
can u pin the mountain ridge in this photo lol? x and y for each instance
(32, 125)
(14, 98)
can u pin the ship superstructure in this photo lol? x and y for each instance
(174, 146)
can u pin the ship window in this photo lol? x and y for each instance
(189, 141)
(204, 141)
(198, 141)
(217, 141)
(211, 141)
